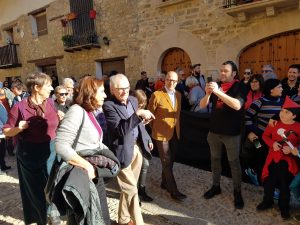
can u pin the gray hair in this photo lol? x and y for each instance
(37, 78)
(67, 81)
(269, 66)
(178, 69)
(191, 81)
(114, 79)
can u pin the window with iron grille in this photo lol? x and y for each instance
(83, 27)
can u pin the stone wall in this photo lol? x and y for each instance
(115, 19)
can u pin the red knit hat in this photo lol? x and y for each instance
(290, 105)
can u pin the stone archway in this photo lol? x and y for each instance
(275, 25)
(172, 37)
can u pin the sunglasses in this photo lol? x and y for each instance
(248, 73)
(63, 94)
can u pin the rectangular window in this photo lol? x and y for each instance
(41, 23)
(9, 35)
(113, 65)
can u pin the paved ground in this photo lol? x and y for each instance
(164, 211)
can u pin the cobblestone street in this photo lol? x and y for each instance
(163, 210)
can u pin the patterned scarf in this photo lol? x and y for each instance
(40, 109)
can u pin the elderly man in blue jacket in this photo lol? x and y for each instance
(130, 141)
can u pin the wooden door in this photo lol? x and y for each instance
(281, 51)
(110, 65)
(176, 57)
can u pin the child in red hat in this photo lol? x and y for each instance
(282, 161)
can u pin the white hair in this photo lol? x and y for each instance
(191, 81)
(67, 81)
(115, 78)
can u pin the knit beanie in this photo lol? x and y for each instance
(269, 85)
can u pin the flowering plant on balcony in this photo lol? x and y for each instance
(71, 16)
(68, 40)
(92, 13)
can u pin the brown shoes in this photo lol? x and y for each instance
(129, 223)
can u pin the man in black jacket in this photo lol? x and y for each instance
(129, 140)
(225, 127)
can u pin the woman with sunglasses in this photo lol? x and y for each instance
(247, 75)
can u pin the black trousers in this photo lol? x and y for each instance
(279, 176)
(2, 152)
(32, 170)
(167, 152)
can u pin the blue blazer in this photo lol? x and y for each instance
(120, 127)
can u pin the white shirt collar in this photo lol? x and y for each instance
(170, 92)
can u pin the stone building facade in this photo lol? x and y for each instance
(140, 34)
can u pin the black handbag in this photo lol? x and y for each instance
(50, 185)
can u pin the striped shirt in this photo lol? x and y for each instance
(259, 113)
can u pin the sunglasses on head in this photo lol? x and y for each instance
(63, 94)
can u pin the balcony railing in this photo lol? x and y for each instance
(79, 33)
(243, 8)
(230, 3)
(8, 56)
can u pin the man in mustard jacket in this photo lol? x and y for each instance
(165, 105)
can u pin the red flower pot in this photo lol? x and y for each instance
(93, 13)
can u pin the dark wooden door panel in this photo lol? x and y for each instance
(176, 57)
(281, 51)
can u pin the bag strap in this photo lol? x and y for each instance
(76, 139)
(79, 131)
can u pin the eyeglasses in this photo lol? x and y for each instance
(266, 71)
(123, 89)
(248, 73)
(63, 94)
(173, 81)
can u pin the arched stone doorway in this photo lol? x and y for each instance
(176, 57)
(280, 50)
(173, 38)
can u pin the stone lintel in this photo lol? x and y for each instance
(45, 61)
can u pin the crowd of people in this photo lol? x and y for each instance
(70, 138)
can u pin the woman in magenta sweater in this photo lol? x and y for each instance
(33, 121)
